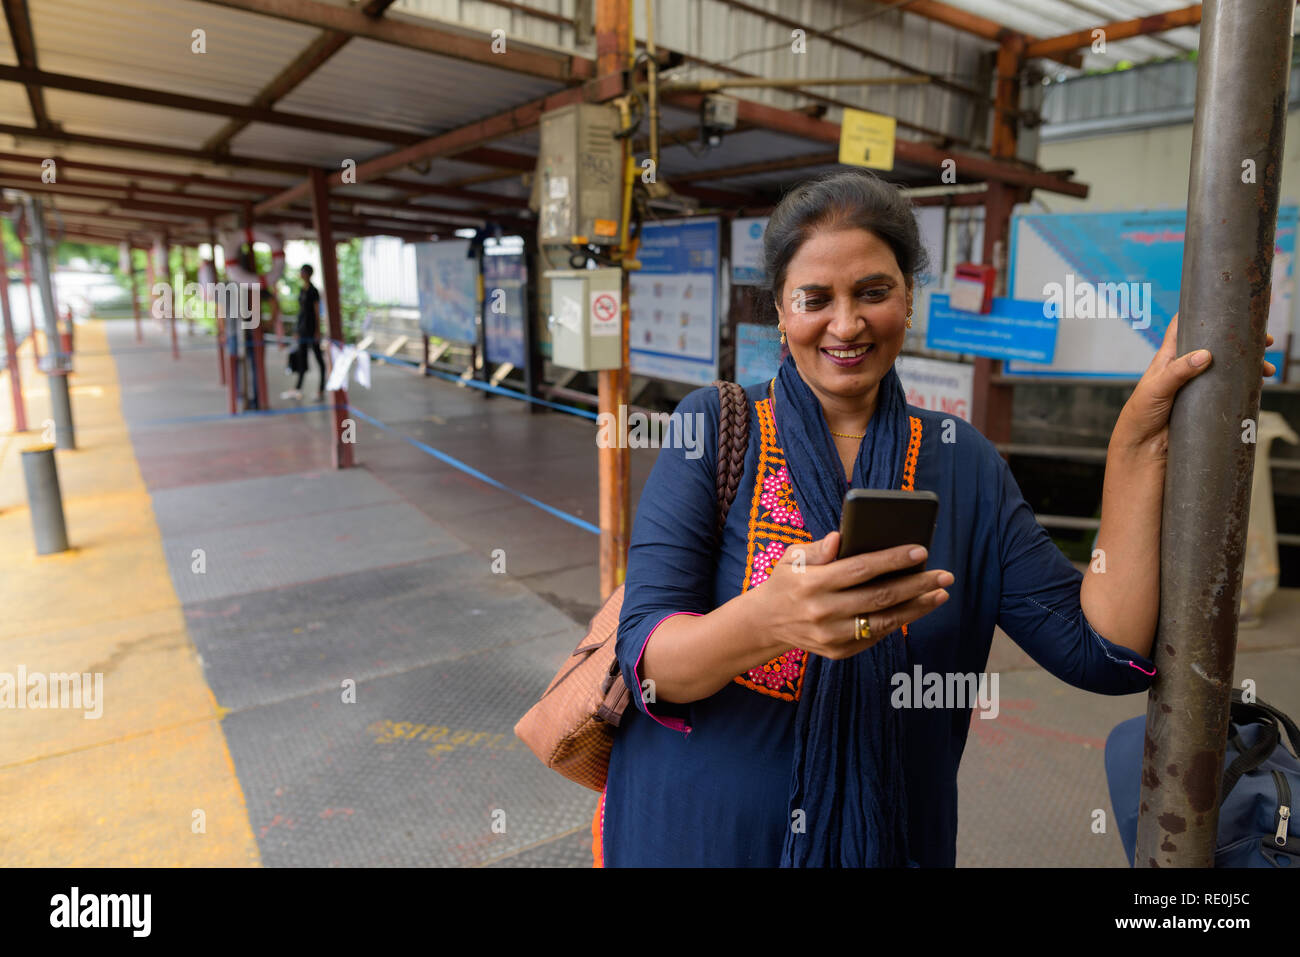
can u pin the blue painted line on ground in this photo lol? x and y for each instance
(226, 416)
(470, 470)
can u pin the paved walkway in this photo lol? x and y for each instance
(329, 664)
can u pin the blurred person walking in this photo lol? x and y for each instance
(308, 333)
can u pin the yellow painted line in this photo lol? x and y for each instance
(150, 782)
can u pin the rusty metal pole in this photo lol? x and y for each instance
(27, 283)
(11, 346)
(1244, 68)
(613, 40)
(178, 295)
(135, 293)
(59, 368)
(329, 267)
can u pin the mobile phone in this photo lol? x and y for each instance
(876, 519)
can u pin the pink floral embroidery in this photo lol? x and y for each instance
(777, 672)
(778, 498)
(765, 560)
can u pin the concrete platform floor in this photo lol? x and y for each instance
(342, 655)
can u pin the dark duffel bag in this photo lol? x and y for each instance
(1261, 777)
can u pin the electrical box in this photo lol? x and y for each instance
(719, 111)
(578, 186)
(586, 320)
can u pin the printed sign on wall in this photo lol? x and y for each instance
(673, 325)
(1113, 279)
(448, 280)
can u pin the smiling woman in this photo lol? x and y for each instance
(763, 732)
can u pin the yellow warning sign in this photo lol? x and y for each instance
(867, 139)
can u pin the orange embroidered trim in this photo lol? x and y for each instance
(913, 450)
(782, 676)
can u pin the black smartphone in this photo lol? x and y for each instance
(876, 519)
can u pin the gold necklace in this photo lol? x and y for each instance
(771, 391)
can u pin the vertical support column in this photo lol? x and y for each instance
(1241, 101)
(329, 267)
(481, 359)
(991, 402)
(27, 282)
(613, 41)
(532, 355)
(185, 271)
(135, 292)
(218, 320)
(60, 401)
(11, 346)
(162, 250)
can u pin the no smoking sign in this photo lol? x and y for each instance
(604, 314)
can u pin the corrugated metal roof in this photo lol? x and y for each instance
(149, 43)
(304, 146)
(408, 89)
(99, 116)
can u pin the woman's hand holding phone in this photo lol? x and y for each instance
(813, 597)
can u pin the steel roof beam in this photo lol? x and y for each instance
(473, 47)
(197, 104)
(1122, 30)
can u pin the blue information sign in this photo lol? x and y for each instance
(1015, 329)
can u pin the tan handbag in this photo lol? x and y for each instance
(572, 727)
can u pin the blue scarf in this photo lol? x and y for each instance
(847, 777)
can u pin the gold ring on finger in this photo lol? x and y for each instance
(861, 628)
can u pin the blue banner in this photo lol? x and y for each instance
(1013, 330)
(504, 279)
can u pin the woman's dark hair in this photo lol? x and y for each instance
(306, 268)
(842, 199)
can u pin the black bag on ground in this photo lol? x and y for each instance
(1261, 777)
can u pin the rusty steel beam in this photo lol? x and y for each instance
(415, 35)
(135, 146)
(20, 34)
(770, 166)
(1123, 30)
(455, 141)
(976, 25)
(1243, 72)
(969, 165)
(136, 172)
(198, 104)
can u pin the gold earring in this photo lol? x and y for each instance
(782, 337)
(909, 316)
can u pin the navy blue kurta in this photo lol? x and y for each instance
(708, 783)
